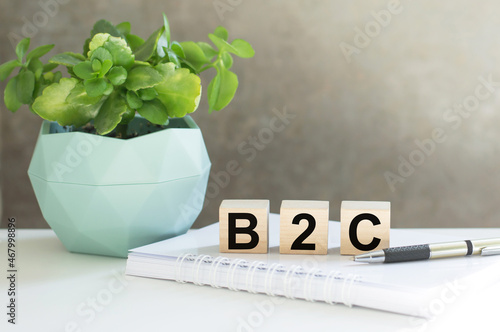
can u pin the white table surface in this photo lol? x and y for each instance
(61, 291)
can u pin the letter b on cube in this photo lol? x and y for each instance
(244, 226)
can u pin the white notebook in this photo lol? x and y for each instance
(406, 288)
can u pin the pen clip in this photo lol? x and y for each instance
(490, 251)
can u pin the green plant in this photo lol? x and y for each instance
(120, 74)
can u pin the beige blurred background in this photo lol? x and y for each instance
(363, 80)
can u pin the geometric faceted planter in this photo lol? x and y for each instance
(104, 196)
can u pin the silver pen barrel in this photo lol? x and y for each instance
(449, 249)
(461, 248)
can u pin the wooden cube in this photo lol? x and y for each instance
(304, 227)
(244, 226)
(364, 226)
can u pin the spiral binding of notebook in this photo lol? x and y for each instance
(272, 279)
(195, 258)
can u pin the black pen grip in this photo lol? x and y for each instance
(409, 253)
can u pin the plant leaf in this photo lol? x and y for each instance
(84, 104)
(49, 67)
(22, 48)
(133, 100)
(213, 91)
(134, 41)
(146, 50)
(228, 84)
(178, 49)
(227, 60)
(207, 49)
(172, 57)
(101, 54)
(128, 116)
(187, 65)
(96, 65)
(121, 52)
(39, 52)
(221, 32)
(117, 75)
(154, 111)
(55, 103)
(179, 91)
(67, 59)
(25, 86)
(166, 26)
(41, 84)
(141, 63)
(86, 46)
(142, 77)
(110, 114)
(194, 54)
(97, 41)
(84, 70)
(221, 44)
(57, 76)
(95, 87)
(123, 28)
(106, 66)
(147, 94)
(109, 89)
(243, 48)
(7, 68)
(36, 66)
(162, 45)
(103, 26)
(48, 76)
(163, 41)
(10, 95)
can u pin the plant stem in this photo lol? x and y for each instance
(213, 64)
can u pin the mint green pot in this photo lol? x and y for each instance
(104, 195)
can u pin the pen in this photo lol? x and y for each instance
(484, 247)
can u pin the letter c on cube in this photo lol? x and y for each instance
(364, 226)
